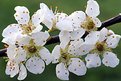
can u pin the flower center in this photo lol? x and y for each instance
(100, 47)
(27, 28)
(64, 58)
(32, 49)
(88, 24)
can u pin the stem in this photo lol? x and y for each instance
(111, 21)
(55, 39)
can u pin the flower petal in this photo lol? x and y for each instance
(38, 17)
(60, 16)
(11, 51)
(93, 60)
(10, 33)
(8, 40)
(110, 59)
(78, 47)
(77, 67)
(77, 18)
(65, 25)
(62, 72)
(103, 34)
(45, 55)
(37, 29)
(22, 41)
(64, 38)
(113, 40)
(97, 22)
(20, 54)
(22, 72)
(72, 22)
(85, 48)
(92, 37)
(12, 29)
(12, 68)
(40, 38)
(77, 34)
(35, 65)
(49, 16)
(92, 9)
(22, 15)
(56, 54)
(74, 47)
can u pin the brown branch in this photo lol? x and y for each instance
(55, 39)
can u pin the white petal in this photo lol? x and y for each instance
(77, 67)
(22, 72)
(92, 37)
(12, 68)
(62, 72)
(11, 30)
(110, 59)
(21, 55)
(85, 48)
(56, 54)
(77, 18)
(45, 55)
(22, 15)
(10, 33)
(103, 34)
(64, 38)
(72, 22)
(22, 41)
(44, 6)
(60, 16)
(49, 16)
(74, 47)
(40, 38)
(111, 32)
(12, 51)
(15, 53)
(97, 22)
(37, 29)
(92, 9)
(93, 60)
(65, 25)
(35, 65)
(8, 40)
(113, 40)
(77, 34)
(38, 17)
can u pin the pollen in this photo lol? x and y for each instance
(100, 46)
(88, 24)
(32, 49)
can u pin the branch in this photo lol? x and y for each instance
(55, 39)
(3, 52)
(111, 21)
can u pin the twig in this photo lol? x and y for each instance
(55, 39)
(111, 21)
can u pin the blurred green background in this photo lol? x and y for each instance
(109, 8)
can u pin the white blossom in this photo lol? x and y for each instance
(67, 62)
(36, 53)
(55, 20)
(28, 50)
(24, 27)
(87, 20)
(102, 47)
(15, 65)
(67, 36)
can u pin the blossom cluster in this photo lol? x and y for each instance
(26, 41)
